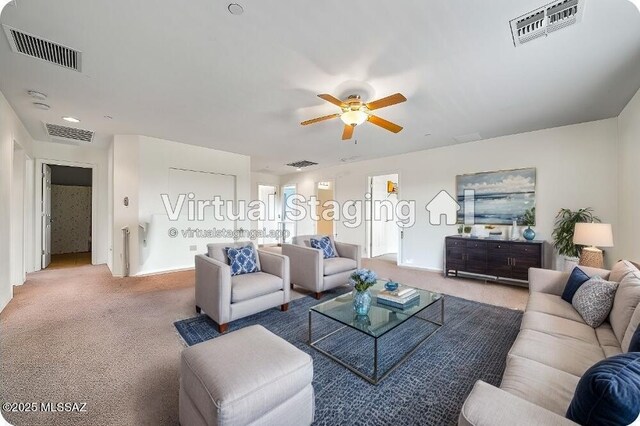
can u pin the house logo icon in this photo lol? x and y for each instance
(443, 204)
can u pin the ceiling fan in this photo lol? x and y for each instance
(355, 112)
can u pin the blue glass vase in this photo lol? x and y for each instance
(529, 234)
(362, 302)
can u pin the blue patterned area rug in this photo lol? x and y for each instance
(429, 388)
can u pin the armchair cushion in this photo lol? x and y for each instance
(336, 265)
(242, 260)
(326, 245)
(249, 286)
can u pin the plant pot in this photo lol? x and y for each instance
(529, 234)
(361, 302)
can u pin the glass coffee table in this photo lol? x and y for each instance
(382, 319)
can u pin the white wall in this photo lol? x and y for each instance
(81, 156)
(576, 167)
(628, 237)
(11, 129)
(141, 168)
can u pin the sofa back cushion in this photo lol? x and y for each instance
(621, 269)
(633, 332)
(625, 303)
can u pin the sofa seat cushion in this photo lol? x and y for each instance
(558, 326)
(539, 384)
(250, 286)
(625, 303)
(552, 305)
(569, 355)
(240, 377)
(335, 265)
(607, 340)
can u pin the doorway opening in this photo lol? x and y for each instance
(325, 191)
(287, 225)
(383, 233)
(67, 228)
(267, 194)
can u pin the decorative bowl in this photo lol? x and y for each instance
(391, 286)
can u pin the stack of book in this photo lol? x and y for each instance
(402, 298)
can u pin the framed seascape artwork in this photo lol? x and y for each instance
(496, 198)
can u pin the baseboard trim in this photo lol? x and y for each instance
(164, 271)
(420, 268)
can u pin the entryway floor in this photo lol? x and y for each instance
(69, 260)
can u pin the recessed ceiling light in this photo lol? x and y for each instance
(42, 106)
(235, 9)
(37, 95)
(71, 119)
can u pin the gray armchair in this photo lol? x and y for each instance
(311, 271)
(225, 298)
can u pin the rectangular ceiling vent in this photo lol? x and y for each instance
(46, 50)
(69, 133)
(545, 20)
(302, 164)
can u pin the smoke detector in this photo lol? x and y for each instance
(545, 20)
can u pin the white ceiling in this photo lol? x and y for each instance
(192, 72)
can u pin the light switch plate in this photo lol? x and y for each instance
(193, 248)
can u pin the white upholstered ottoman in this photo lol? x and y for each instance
(248, 377)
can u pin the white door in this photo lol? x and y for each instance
(267, 195)
(46, 215)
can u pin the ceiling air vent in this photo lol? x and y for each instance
(302, 164)
(545, 20)
(46, 50)
(69, 133)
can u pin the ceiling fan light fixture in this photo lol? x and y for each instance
(354, 118)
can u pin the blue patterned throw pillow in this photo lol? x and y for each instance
(242, 260)
(325, 245)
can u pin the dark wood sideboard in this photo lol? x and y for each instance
(508, 260)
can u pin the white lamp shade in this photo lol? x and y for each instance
(593, 234)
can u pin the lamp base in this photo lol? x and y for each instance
(592, 257)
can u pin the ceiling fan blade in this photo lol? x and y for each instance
(316, 120)
(348, 132)
(333, 100)
(392, 127)
(385, 102)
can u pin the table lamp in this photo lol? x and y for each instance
(592, 235)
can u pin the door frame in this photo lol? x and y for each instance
(278, 207)
(38, 203)
(334, 232)
(283, 207)
(369, 228)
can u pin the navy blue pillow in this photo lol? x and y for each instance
(576, 279)
(634, 346)
(609, 393)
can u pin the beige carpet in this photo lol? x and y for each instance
(80, 335)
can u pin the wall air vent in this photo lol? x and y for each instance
(545, 20)
(69, 134)
(302, 164)
(46, 50)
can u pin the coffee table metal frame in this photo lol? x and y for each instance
(375, 379)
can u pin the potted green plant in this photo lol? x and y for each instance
(529, 220)
(563, 229)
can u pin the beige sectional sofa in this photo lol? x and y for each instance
(553, 350)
